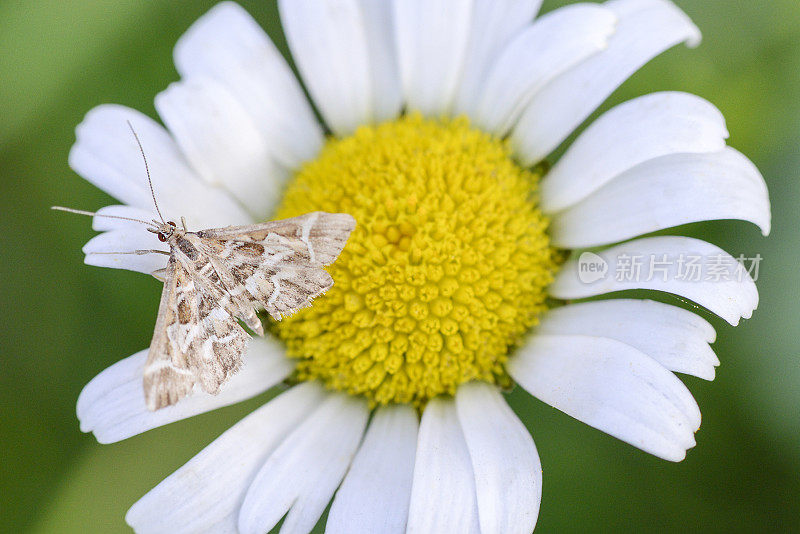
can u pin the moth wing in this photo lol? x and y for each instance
(215, 354)
(167, 377)
(280, 263)
(284, 286)
(226, 289)
(195, 340)
(318, 235)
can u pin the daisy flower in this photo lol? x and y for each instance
(436, 119)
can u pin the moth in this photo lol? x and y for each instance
(216, 280)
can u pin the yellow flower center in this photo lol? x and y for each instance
(444, 273)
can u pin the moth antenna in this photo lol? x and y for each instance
(147, 170)
(95, 214)
(137, 252)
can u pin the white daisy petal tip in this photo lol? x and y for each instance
(645, 29)
(225, 14)
(94, 152)
(692, 36)
(124, 237)
(627, 135)
(539, 53)
(613, 387)
(665, 192)
(676, 338)
(101, 224)
(140, 263)
(764, 218)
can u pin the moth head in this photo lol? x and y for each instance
(163, 230)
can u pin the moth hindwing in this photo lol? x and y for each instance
(218, 277)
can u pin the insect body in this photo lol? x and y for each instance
(214, 278)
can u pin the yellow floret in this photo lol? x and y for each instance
(444, 273)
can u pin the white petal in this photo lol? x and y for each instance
(205, 494)
(145, 264)
(102, 224)
(387, 94)
(508, 474)
(375, 494)
(112, 404)
(552, 45)
(329, 45)
(106, 154)
(302, 474)
(613, 387)
(443, 497)
(629, 134)
(645, 29)
(227, 45)
(688, 267)
(494, 23)
(432, 39)
(676, 338)
(222, 143)
(666, 192)
(99, 250)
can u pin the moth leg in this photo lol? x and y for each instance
(158, 274)
(183, 222)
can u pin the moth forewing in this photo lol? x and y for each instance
(320, 235)
(167, 377)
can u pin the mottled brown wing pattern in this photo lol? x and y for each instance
(196, 337)
(216, 355)
(317, 236)
(167, 377)
(217, 281)
(214, 278)
(279, 263)
(284, 288)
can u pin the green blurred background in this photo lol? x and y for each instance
(63, 321)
